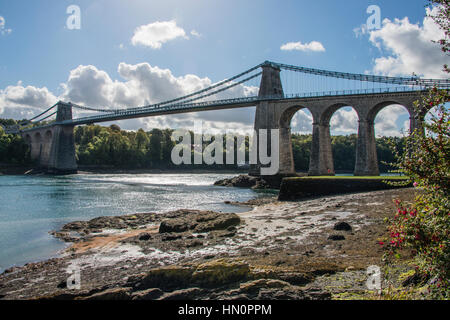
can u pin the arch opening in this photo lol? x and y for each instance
(343, 121)
(299, 120)
(392, 122)
(48, 136)
(37, 138)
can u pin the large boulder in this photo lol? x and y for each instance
(199, 221)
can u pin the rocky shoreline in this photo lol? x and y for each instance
(313, 249)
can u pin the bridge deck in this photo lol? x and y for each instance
(225, 104)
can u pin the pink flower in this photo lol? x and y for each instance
(415, 184)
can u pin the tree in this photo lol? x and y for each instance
(167, 146)
(141, 139)
(424, 226)
(442, 19)
(155, 150)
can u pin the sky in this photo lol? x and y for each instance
(132, 53)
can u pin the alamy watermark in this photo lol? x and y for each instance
(73, 22)
(263, 150)
(374, 278)
(374, 21)
(73, 282)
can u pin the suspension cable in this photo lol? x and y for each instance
(37, 121)
(44, 112)
(173, 100)
(442, 83)
(218, 91)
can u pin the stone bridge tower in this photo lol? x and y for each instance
(276, 113)
(53, 146)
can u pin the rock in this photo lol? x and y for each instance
(183, 294)
(145, 236)
(317, 294)
(171, 237)
(175, 225)
(220, 272)
(110, 294)
(149, 294)
(199, 222)
(244, 181)
(220, 221)
(296, 279)
(237, 297)
(350, 268)
(256, 285)
(163, 278)
(194, 243)
(261, 184)
(336, 237)
(342, 226)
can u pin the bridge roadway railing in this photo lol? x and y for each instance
(219, 103)
(242, 102)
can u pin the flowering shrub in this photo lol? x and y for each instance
(424, 226)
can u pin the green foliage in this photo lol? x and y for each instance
(13, 149)
(96, 146)
(424, 226)
(442, 18)
(344, 152)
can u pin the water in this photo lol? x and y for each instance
(31, 206)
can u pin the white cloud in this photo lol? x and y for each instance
(153, 35)
(3, 29)
(20, 102)
(390, 121)
(344, 121)
(195, 34)
(302, 122)
(144, 84)
(314, 46)
(410, 48)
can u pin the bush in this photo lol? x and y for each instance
(424, 226)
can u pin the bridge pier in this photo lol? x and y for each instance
(321, 159)
(366, 150)
(53, 146)
(267, 117)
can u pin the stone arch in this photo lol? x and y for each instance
(37, 138)
(376, 109)
(286, 147)
(289, 112)
(329, 112)
(366, 152)
(36, 146)
(48, 136)
(28, 139)
(325, 122)
(284, 120)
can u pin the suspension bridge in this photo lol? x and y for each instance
(280, 96)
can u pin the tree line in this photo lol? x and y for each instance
(111, 146)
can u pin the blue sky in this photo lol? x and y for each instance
(221, 38)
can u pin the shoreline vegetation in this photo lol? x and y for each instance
(312, 249)
(111, 148)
